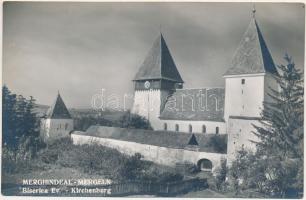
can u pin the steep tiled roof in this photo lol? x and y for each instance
(205, 104)
(252, 55)
(193, 140)
(58, 110)
(159, 64)
(168, 139)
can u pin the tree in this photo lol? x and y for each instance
(281, 132)
(129, 120)
(19, 119)
(133, 168)
(9, 117)
(31, 121)
(276, 168)
(238, 172)
(220, 177)
(83, 122)
(282, 120)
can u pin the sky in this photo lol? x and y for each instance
(81, 48)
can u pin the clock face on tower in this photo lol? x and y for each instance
(147, 84)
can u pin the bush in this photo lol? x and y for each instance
(170, 177)
(238, 172)
(54, 149)
(136, 169)
(272, 175)
(20, 159)
(93, 158)
(187, 168)
(220, 176)
(90, 158)
(82, 123)
(29, 146)
(129, 120)
(133, 168)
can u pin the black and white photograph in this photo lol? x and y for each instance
(153, 99)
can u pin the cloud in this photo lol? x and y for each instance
(80, 48)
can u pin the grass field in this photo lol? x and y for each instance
(203, 194)
(54, 172)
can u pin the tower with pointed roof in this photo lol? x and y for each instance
(247, 84)
(155, 80)
(57, 122)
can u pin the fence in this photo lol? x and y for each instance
(159, 189)
(119, 189)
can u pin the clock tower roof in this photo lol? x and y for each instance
(159, 64)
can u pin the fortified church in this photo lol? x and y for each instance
(184, 119)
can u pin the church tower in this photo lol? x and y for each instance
(247, 84)
(58, 122)
(156, 79)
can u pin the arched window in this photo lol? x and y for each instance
(217, 130)
(190, 128)
(177, 128)
(165, 126)
(203, 129)
(66, 126)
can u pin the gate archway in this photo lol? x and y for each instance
(205, 165)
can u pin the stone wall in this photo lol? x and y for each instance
(160, 155)
(55, 128)
(244, 99)
(148, 104)
(240, 136)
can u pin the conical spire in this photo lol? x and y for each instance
(159, 64)
(58, 110)
(252, 55)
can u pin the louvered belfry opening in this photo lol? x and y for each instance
(158, 68)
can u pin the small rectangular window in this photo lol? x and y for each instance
(243, 81)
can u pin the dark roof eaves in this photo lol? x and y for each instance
(238, 74)
(245, 117)
(158, 78)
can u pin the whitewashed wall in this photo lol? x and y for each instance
(196, 126)
(160, 155)
(270, 82)
(148, 103)
(244, 99)
(240, 136)
(56, 128)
